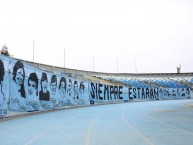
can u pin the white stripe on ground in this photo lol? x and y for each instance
(136, 131)
(47, 130)
(88, 136)
(167, 124)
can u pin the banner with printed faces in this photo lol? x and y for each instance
(26, 88)
(159, 93)
(34, 89)
(22, 96)
(174, 93)
(77, 92)
(4, 76)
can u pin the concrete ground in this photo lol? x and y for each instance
(134, 123)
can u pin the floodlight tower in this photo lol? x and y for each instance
(93, 63)
(64, 58)
(33, 49)
(117, 65)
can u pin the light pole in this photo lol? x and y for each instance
(117, 65)
(33, 49)
(93, 63)
(64, 58)
(135, 67)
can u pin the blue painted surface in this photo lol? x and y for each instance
(155, 122)
(26, 88)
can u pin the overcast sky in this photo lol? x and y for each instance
(143, 36)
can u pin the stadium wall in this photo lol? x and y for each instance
(28, 87)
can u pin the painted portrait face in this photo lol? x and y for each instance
(183, 92)
(69, 85)
(19, 76)
(187, 92)
(174, 92)
(31, 87)
(44, 84)
(62, 88)
(75, 87)
(178, 92)
(63, 85)
(81, 90)
(53, 87)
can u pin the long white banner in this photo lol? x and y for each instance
(27, 88)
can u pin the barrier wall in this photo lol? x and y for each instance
(25, 88)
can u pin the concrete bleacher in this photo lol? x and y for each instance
(170, 80)
(157, 80)
(129, 79)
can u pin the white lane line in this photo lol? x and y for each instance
(167, 124)
(177, 117)
(16, 127)
(47, 130)
(136, 131)
(90, 128)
